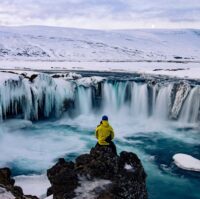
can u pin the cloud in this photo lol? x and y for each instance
(102, 14)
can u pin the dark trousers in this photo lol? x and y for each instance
(111, 145)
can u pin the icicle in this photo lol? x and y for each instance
(44, 96)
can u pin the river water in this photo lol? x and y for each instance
(140, 118)
(35, 148)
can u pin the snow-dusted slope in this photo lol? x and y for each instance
(51, 43)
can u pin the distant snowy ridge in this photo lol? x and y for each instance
(67, 44)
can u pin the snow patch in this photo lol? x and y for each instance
(128, 167)
(36, 185)
(5, 194)
(187, 162)
(89, 189)
(89, 81)
(49, 197)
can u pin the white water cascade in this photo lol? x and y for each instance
(191, 108)
(83, 100)
(163, 102)
(139, 100)
(46, 97)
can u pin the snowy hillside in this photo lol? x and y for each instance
(66, 44)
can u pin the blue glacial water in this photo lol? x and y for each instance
(32, 150)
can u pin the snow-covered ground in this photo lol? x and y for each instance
(5, 194)
(165, 52)
(183, 70)
(67, 44)
(36, 185)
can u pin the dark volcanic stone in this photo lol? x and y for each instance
(5, 177)
(7, 183)
(32, 77)
(63, 179)
(125, 173)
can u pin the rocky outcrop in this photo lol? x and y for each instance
(99, 175)
(179, 94)
(8, 188)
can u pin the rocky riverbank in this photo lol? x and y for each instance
(8, 190)
(99, 175)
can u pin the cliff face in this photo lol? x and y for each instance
(100, 174)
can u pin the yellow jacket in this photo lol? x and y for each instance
(103, 131)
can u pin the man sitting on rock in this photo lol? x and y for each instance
(105, 134)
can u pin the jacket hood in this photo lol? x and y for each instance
(105, 123)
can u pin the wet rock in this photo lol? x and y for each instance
(31, 79)
(63, 179)
(179, 94)
(99, 175)
(7, 184)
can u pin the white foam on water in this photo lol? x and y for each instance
(14, 124)
(36, 149)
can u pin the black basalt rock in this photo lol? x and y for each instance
(111, 176)
(8, 183)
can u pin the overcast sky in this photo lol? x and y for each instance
(102, 14)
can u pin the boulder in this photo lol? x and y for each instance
(100, 175)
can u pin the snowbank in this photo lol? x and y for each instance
(181, 70)
(5, 194)
(36, 185)
(5, 76)
(187, 162)
(89, 81)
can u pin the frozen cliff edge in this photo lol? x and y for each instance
(100, 174)
(38, 96)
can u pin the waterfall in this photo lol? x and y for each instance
(42, 97)
(191, 108)
(139, 100)
(114, 96)
(162, 104)
(83, 100)
(46, 97)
